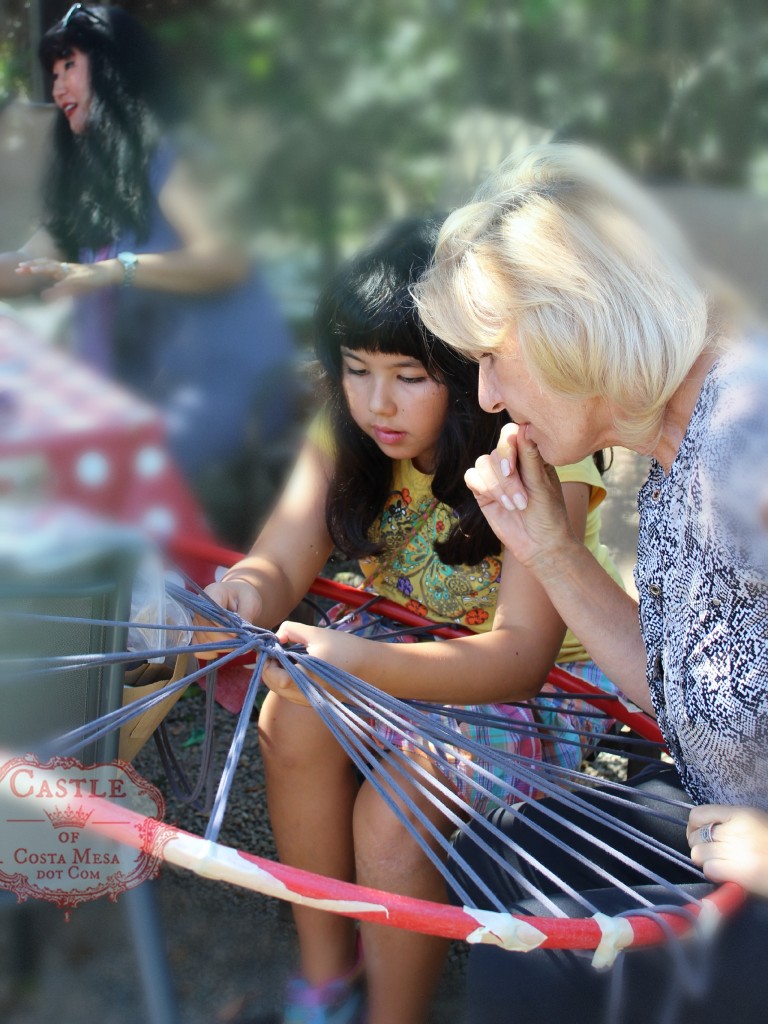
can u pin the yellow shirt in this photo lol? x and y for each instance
(410, 572)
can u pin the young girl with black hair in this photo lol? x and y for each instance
(165, 302)
(381, 478)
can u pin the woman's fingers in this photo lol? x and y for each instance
(506, 460)
(69, 278)
(44, 267)
(53, 267)
(499, 473)
(512, 473)
(730, 844)
(520, 496)
(706, 814)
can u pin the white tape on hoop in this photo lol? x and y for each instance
(709, 917)
(223, 864)
(504, 930)
(616, 934)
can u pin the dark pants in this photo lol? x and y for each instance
(722, 982)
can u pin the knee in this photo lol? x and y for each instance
(384, 844)
(292, 737)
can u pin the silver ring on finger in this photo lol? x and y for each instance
(65, 268)
(706, 832)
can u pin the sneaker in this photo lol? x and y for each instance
(337, 1002)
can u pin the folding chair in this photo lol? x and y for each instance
(64, 581)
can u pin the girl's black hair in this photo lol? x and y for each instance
(97, 183)
(368, 306)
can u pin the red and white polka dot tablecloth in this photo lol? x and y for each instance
(68, 435)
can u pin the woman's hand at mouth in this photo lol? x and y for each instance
(521, 497)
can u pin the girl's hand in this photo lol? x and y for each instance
(234, 596)
(522, 500)
(71, 278)
(331, 645)
(738, 849)
(344, 650)
(279, 682)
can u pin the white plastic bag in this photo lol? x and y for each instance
(151, 604)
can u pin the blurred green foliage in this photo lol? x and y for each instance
(342, 114)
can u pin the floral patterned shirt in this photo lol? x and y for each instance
(410, 571)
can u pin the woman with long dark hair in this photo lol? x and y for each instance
(163, 302)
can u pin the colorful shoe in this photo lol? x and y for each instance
(340, 1001)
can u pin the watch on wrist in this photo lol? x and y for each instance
(129, 262)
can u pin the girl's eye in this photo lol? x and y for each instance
(354, 371)
(412, 380)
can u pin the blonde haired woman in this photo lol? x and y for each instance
(591, 328)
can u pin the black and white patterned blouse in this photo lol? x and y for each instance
(702, 580)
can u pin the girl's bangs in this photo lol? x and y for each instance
(398, 335)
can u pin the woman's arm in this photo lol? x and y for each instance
(511, 662)
(289, 552)
(520, 497)
(205, 262)
(737, 850)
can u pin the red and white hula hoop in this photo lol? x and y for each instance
(605, 935)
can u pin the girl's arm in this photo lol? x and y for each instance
(511, 662)
(204, 263)
(289, 552)
(597, 610)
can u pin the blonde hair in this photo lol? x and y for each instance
(567, 250)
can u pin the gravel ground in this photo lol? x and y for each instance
(229, 951)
